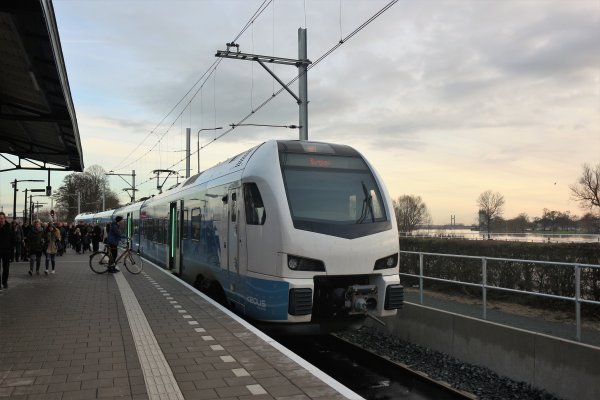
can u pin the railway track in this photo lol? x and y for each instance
(370, 375)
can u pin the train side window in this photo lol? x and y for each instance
(196, 223)
(186, 223)
(254, 207)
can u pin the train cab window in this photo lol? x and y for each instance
(254, 207)
(334, 195)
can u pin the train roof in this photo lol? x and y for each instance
(238, 163)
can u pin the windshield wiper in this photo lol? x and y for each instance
(367, 205)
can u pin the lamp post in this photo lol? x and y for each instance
(25, 208)
(198, 142)
(132, 184)
(14, 185)
(33, 206)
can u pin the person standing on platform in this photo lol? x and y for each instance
(7, 247)
(26, 230)
(18, 232)
(35, 246)
(114, 237)
(96, 237)
(77, 240)
(52, 243)
(63, 238)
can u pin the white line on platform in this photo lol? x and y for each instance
(328, 380)
(160, 382)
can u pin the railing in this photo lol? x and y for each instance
(538, 237)
(484, 286)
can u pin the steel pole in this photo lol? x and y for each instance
(25, 207)
(302, 84)
(15, 200)
(133, 185)
(484, 285)
(30, 209)
(188, 134)
(578, 303)
(420, 278)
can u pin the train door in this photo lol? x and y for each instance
(174, 235)
(233, 242)
(129, 226)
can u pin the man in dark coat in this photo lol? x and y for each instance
(96, 237)
(7, 248)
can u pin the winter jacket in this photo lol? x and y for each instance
(114, 234)
(52, 237)
(18, 233)
(7, 239)
(35, 240)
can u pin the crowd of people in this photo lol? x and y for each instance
(24, 242)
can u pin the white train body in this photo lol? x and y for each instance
(286, 232)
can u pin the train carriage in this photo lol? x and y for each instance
(289, 232)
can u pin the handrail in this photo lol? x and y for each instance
(539, 237)
(484, 285)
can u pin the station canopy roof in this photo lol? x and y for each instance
(37, 116)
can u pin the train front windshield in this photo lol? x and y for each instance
(335, 195)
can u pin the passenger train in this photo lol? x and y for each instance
(290, 233)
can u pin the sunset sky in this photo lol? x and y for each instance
(446, 99)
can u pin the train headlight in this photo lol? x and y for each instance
(296, 263)
(387, 262)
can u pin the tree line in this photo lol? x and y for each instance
(412, 212)
(83, 192)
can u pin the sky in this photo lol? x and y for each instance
(446, 99)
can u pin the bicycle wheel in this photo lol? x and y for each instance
(99, 262)
(133, 262)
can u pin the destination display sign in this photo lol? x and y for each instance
(323, 161)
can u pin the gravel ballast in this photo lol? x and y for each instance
(482, 382)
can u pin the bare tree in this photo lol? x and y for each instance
(587, 189)
(85, 188)
(411, 211)
(491, 205)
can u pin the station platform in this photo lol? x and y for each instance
(79, 335)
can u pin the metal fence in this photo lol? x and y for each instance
(577, 299)
(535, 237)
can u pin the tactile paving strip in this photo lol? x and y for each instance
(160, 382)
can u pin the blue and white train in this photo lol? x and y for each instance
(289, 232)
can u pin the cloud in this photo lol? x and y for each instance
(445, 98)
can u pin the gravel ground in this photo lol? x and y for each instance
(480, 381)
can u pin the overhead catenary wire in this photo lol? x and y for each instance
(254, 16)
(315, 63)
(268, 100)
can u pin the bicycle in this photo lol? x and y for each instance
(100, 260)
